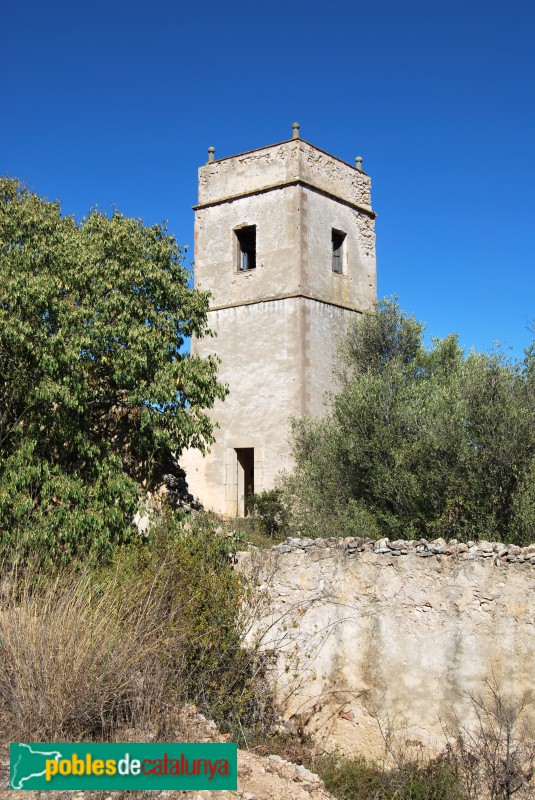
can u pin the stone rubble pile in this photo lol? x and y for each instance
(497, 551)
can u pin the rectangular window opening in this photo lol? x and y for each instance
(338, 239)
(246, 247)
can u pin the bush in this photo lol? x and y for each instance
(86, 653)
(79, 658)
(213, 602)
(495, 754)
(419, 442)
(269, 512)
(359, 779)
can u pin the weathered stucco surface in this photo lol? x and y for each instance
(392, 636)
(258, 170)
(277, 326)
(273, 356)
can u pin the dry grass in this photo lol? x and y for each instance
(85, 655)
(81, 657)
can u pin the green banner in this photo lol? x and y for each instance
(123, 766)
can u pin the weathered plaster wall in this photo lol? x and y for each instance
(324, 327)
(276, 358)
(394, 634)
(276, 216)
(356, 287)
(293, 249)
(260, 351)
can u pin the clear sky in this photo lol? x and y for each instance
(115, 103)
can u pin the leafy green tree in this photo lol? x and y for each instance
(94, 387)
(420, 441)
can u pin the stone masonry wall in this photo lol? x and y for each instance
(394, 637)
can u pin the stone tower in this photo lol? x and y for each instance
(284, 241)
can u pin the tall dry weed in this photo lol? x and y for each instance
(83, 654)
(80, 656)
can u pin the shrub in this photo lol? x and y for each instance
(495, 754)
(270, 512)
(360, 779)
(420, 441)
(86, 653)
(213, 602)
(80, 658)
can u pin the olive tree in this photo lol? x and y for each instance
(420, 441)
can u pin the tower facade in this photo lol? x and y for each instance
(285, 243)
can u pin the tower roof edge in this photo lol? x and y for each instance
(282, 164)
(295, 142)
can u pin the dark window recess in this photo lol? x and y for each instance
(338, 239)
(246, 247)
(245, 478)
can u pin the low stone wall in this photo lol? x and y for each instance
(394, 639)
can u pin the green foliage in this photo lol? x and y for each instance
(420, 442)
(54, 517)
(210, 598)
(386, 335)
(358, 779)
(269, 512)
(94, 387)
(523, 507)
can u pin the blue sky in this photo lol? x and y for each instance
(114, 104)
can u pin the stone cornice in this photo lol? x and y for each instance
(289, 296)
(283, 185)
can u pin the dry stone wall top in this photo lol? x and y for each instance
(497, 551)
